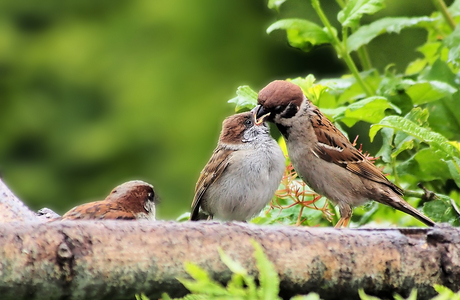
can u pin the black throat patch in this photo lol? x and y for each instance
(284, 130)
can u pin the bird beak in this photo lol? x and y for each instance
(259, 114)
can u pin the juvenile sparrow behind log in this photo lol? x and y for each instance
(243, 173)
(132, 200)
(324, 158)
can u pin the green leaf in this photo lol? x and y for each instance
(245, 100)
(440, 71)
(417, 115)
(385, 151)
(196, 272)
(355, 91)
(364, 296)
(454, 169)
(453, 43)
(444, 117)
(445, 293)
(427, 91)
(435, 140)
(416, 66)
(440, 210)
(165, 296)
(405, 145)
(425, 165)
(338, 85)
(370, 110)
(366, 33)
(234, 266)
(183, 217)
(268, 277)
(240, 273)
(202, 283)
(305, 83)
(311, 90)
(235, 286)
(142, 297)
(275, 4)
(301, 33)
(310, 296)
(454, 9)
(412, 296)
(350, 15)
(430, 51)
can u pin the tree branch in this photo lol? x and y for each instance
(116, 259)
(11, 208)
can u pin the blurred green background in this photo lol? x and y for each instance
(95, 93)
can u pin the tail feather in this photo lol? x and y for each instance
(400, 204)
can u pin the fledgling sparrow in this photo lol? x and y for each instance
(132, 200)
(243, 173)
(324, 158)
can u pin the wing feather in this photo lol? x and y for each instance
(100, 210)
(334, 147)
(211, 172)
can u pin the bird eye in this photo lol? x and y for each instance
(150, 196)
(248, 122)
(278, 108)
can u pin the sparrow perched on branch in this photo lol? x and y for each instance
(132, 200)
(324, 158)
(243, 173)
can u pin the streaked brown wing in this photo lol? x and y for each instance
(334, 147)
(211, 172)
(100, 210)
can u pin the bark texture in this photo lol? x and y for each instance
(116, 259)
(11, 208)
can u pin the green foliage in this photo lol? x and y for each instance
(350, 15)
(416, 113)
(367, 33)
(301, 34)
(364, 296)
(245, 100)
(241, 285)
(444, 294)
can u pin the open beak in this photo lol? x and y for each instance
(259, 114)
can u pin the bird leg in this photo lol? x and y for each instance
(345, 216)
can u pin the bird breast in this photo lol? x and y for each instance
(248, 183)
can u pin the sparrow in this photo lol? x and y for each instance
(243, 173)
(132, 200)
(323, 157)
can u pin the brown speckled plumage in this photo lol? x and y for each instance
(324, 158)
(128, 201)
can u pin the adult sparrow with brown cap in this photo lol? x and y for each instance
(324, 158)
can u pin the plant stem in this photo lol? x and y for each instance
(363, 55)
(364, 58)
(341, 47)
(341, 3)
(441, 6)
(393, 167)
(415, 194)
